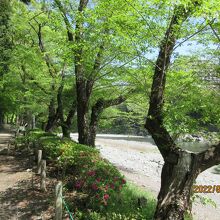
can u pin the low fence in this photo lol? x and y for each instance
(60, 202)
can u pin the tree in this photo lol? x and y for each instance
(5, 46)
(43, 56)
(180, 167)
(101, 50)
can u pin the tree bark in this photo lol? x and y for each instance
(83, 85)
(177, 178)
(1, 118)
(52, 116)
(67, 124)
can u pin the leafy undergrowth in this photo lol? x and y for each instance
(131, 204)
(93, 187)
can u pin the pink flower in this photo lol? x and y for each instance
(95, 187)
(106, 196)
(123, 181)
(112, 186)
(79, 184)
(91, 173)
(106, 187)
(98, 180)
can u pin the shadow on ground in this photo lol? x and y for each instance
(24, 202)
(20, 197)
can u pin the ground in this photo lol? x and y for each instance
(140, 161)
(20, 197)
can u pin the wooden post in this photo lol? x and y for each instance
(39, 158)
(58, 210)
(43, 176)
(8, 147)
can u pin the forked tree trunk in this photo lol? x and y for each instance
(97, 110)
(84, 81)
(66, 125)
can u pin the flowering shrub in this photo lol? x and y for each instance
(89, 173)
(101, 180)
(85, 170)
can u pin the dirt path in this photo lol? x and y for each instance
(140, 161)
(18, 198)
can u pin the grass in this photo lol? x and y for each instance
(123, 206)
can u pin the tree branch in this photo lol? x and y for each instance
(102, 104)
(82, 5)
(51, 68)
(154, 123)
(124, 64)
(209, 157)
(32, 78)
(215, 33)
(194, 34)
(66, 21)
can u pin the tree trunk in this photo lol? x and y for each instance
(181, 167)
(83, 84)
(92, 135)
(33, 122)
(67, 124)
(1, 117)
(82, 120)
(178, 175)
(84, 81)
(12, 119)
(51, 117)
(97, 110)
(65, 131)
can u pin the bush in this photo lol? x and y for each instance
(86, 173)
(32, 136)
(123, 207)
(91, 174)
(50, 145)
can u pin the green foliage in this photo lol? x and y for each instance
(204, 200)
(84, 169)
(188, 108)
(5, 40)
(124, 206)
